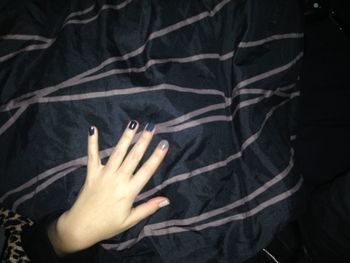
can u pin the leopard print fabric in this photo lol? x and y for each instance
(13, 224)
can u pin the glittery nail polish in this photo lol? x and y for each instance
(164, 203)
(91, 130)
(132, 125)
(163, 145)
(150, 127)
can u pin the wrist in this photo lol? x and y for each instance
(64, 236)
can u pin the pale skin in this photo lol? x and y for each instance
(104, 206)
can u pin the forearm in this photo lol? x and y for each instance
(39, 248)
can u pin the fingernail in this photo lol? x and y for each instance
(91, 130)
(132, 125)
(150, 127)
(163, 145)
(164, 203)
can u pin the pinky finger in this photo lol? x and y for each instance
(92, 149)
(146, 209)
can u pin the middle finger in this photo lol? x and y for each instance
(135, 155)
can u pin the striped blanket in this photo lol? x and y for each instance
(219, 78)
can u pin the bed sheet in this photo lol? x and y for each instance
(219, 78)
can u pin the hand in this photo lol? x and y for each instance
(104, 206)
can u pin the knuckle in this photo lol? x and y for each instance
(140, 148)
(150, 167)
(127, 136)
(146, 136)
(92, 143)
(123, 143)
(137, 154)
(117, 151)
(157, 157)
(155, 160)
(91, 157)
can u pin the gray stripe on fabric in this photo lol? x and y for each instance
(268, 74)
(152, 36)
(79, 13)
(65, 84)
(42, 186)
(104, 7)
(12, 119)
(164, 86)
(235, 204)
(79, 79)
(173, 125)
(103, 154)
(69, 166)
(240, 216)
(152, 62)
(28, 48)
(190, 115)
(75, 80)
(216, 223)
(12, 105)
(26, 37)
(270, 39)
(129, 91)
(251, 212)
(216, 118)
(52, 40)
(270, 255)
(194, 123)
(185, 176)
(80, 161)
(189, 21)
(134, 90)
(28, 196)
(75, 163)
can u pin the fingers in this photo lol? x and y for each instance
(143, 175)
(137, 152)
(122, 147)
(146, 209)
(93, 153)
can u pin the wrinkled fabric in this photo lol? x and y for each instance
(219, 78)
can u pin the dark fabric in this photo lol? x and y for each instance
(325, 226)
(219, 78)
(323, 145)
(286, 247)
(38, 247)
(341, 9)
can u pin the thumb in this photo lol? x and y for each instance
(146, 209)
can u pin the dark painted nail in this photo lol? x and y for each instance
(91, 131)
(150, 127)
(132, 125)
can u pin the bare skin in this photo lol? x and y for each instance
(104, 206)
